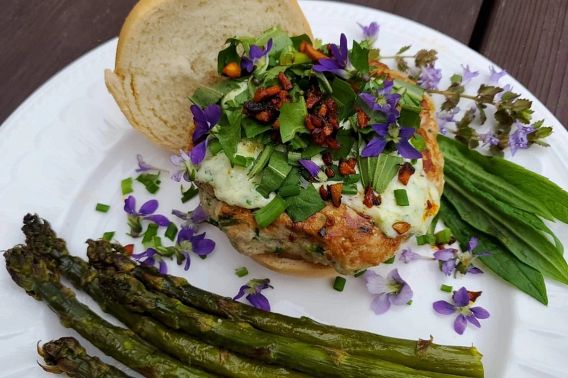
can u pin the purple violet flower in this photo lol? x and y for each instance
(400, 136)
(495, 76)
(186, 169)
(146, 212)
(149, 258)
(446, 116)
(371, 31)
(392, 290)
(467, 74)
(255, 54)
(384, 101)
(407, 255)
(145, 167)
(204, 119)
(192, 218)
(461, 305)
(312, 168)
(188, 241)
(518, 139)
(253, 289)
(452, 260)
(506, 88)
(430, 77)
(337, 64)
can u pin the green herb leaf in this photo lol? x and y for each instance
(379, 171)
(108, 235)
(253, 128)
(501, 261)
(339, 283)
(292, 116)
(101, 207)
(273, 176)
(229, 132)
(409, 118)
(446, 288)
(269, 213)
(171, 231)
(280, 41)
(403, 49)
(204, 96)
(126, 186)
(291, 185)
(228, 55)
(151, 181)
(344, 96)
(261, 160)
(242, 271)
(305, 204)
(151, 232)
(401, 197)
(189, 193)
(214, 146)
(359, 58)
(297, 40)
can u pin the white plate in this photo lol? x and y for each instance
(68, 146)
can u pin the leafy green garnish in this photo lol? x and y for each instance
(126, 186)
(379, 171)
(151, 181)
(228, 55)
(292, 115)
(269, 213)
(204, 96)
(346, 142)
(261, 160)
(409, 118)
(291, 184)
(189, 193)
(229, 132)
(305, 204)
(344, 96)
(280, 41)
(297, 40)
(359, 58)
(273, 176)
(253, 128)
(171, 231)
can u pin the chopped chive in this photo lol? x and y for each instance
(126, 186)
(293, 157)
(268, 214)
(151, 231)
(108, 235)
(261, 161)
(425, 239)
(188, 194)
(401, 197)
(103, 208)
(409, 302)
(444, 236)
(389, 261)
(360, 273)
(242, 271)
(446, 288)
(151, 181)
(242, 161)
(339, 283)
(171, 231)
(349, 189)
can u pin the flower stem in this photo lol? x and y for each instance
(398, 56)
(438, 91)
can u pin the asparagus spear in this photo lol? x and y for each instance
(37, 276)
(44, 242)
(67, 356)
(423, 355)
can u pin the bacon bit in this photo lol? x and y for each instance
(263, 93)
(322, 112)
(345, 168)
(285, 83)
(311, 51)
(370, 198)
(232, 70)
(327, 158)
(329, 172)
(406, 170)
(473, 295)
(324, 192)
(276, 124)
(335, 191)
(129, 249)
(401, 227)
(313, 97)
(329, 222)
(333, 144)
(265, 116)
(362, 118)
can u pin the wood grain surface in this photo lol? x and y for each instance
(529, 38)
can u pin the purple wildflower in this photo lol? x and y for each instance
(392, 290)
(506, 88)
(452, 260)
(253, 289)
(337, 64)
(430, 77)
(495, 76)
(462, 306)
(371, 31)
(192, 218)
(519, 138)
(400, 136)
(204, 119)
(446, 116)
(255, 54)
(149, 258)
(467, 74)
(188, 241)
(146, 212)
(312, 168)
(489, 138)
(183, 162)
(407, 255)
(384, 101)
(143, 166)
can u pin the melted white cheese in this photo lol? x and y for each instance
(231, 184)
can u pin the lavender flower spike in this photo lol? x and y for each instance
(371, 31)
(467, 74)
(461, 305)
(495, 76)
(253, 289)
(519, 138)
(430, 77)
(392, 290)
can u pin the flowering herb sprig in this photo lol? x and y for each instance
(407, 256)
(150, 257)
(392, 290)
(190, 242)
(462, 301)
(255, 54)
(370, 32)
(452, 260)
(145, 212)
(252, 291)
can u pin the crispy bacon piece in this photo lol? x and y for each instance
(265, 116)
(329, 172)
(311, 51)
(335, 191)
(313, 97)
(406, 170)
(327, 158)
(346, 167)
(371, 198)
(264, 93)
(324, 192)
(362, 118)
(401, 227)
(285, 83)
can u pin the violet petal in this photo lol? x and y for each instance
(187, 261)
(406, 150)
(460, 323)
(163, 267)
(380, 304)
(259, 301)
(198, 215)
(374, 147)
(130, 205)
(480, 312)
(473, 320)
(405, 294)
(472, 244)
(445, 254)
(376, 284)
(461, 297)
(241, 292)
(203, 247)
(159, 219)
(198, 152)
(310, 166)
(149, 207)
(474, 270)
(443, 307)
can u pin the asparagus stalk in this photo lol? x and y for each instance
(36, 275)
(44, 242)
(422, 354)
(67, 356)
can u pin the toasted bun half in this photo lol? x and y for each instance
(168, 48)
(294, 267)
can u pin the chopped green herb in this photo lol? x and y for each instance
(291, 185)
(360, 273)
(243, 161)
(151, 231)
(126, 186)
(344, 96)
(379, 171)
(293, 157)
(401, 197)
(359, 58)
(305, 204)
(229, 132)
(189, 193)
(253, 128)
(418, 142)
(108, 235)
(171, 231)
(292, 116)
(268, 214)
(346, 142)
(349, 189)
(151, 181)
(409, 118)
(446, 288)
(409, 302)
(273, 176)
(261, 160)
(389, 261)
(339, 283)
(101, 207)
(214, 146)
(425, 239)
(311, 151)
(242, 271)
(444, 236)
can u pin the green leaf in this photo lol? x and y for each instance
(346, 142)
(527, 244)
(261, 160)
(292, 116)
(297, 40)
(269, 213)
(403, 49)
(151, 181)
(359, 58)
(272, 73)
(253, 128)
(204, 96)
(305, 204)
(280, 41)
(486, 93)
(189, 193)
(229, 132)
(344, 96)
(311, 151)
(273, 176)
(291, 185)
(228, 55)
(409, 118)
(501, 261)
(379, 171)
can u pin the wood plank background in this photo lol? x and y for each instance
(529, 38)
